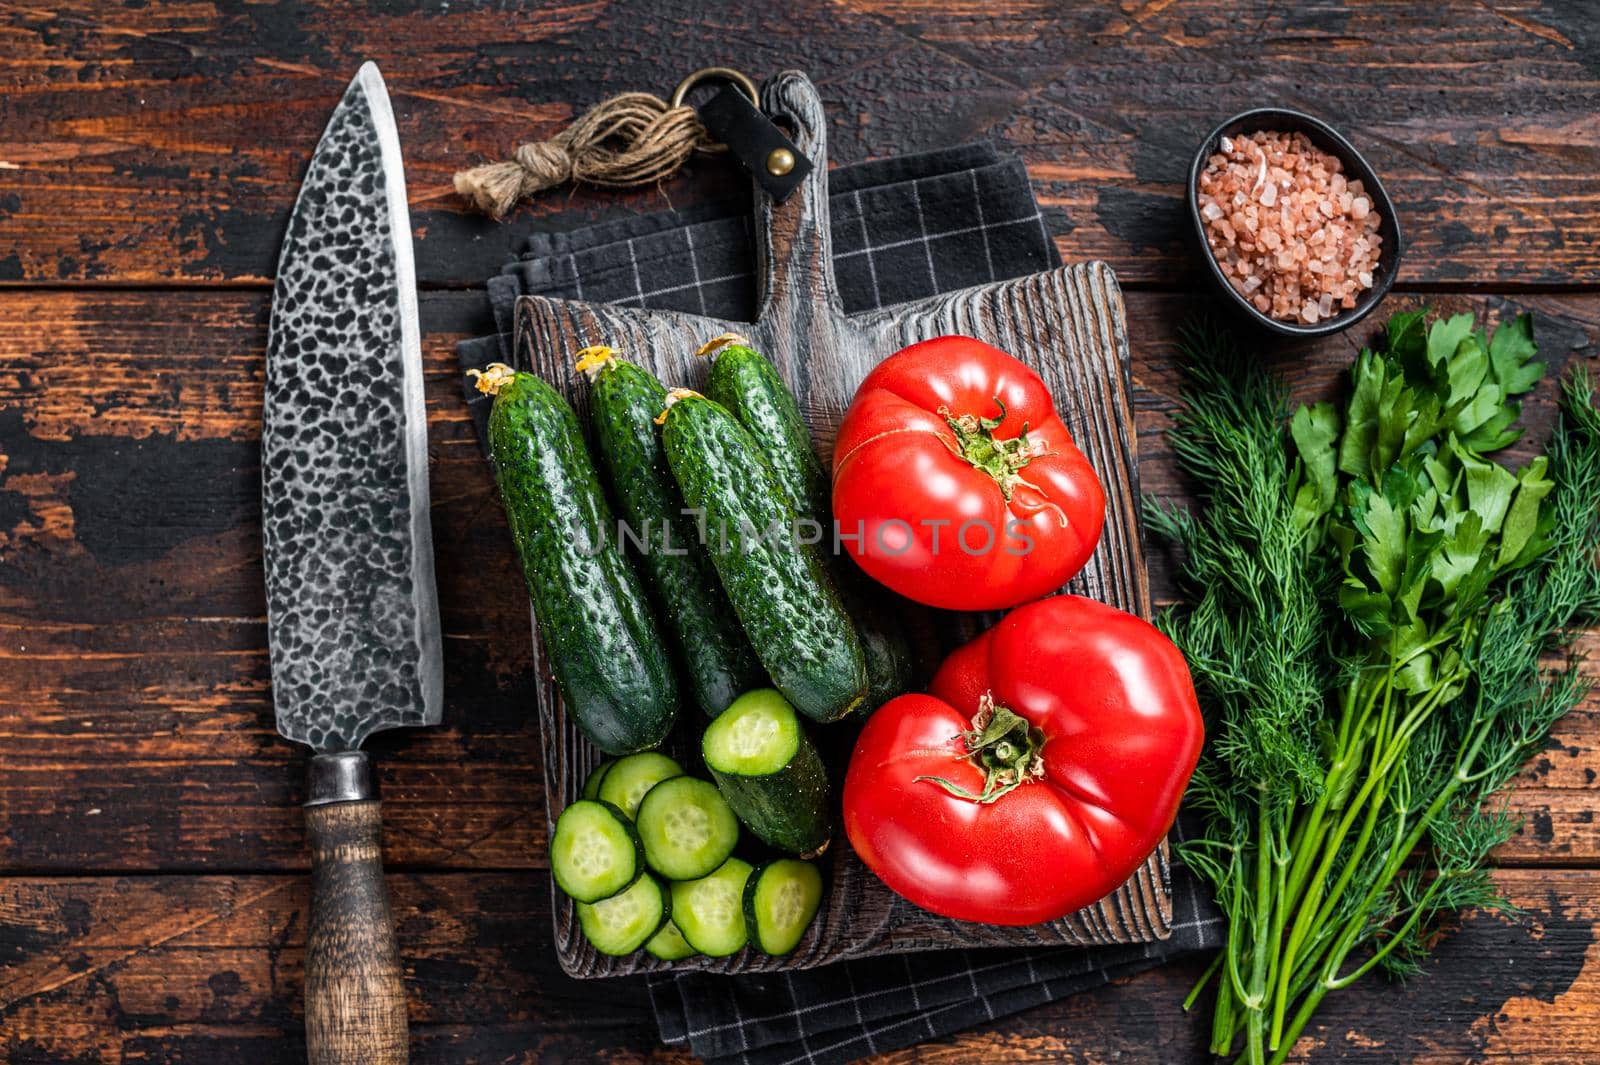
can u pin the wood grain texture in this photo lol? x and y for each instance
(355, 1001)
(162, 145)
(1067, 323)
(165, 141)
(133, 670)
(210, 969)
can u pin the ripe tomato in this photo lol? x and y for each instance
(1044, 767)
(955, 483)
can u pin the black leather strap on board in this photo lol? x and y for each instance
(756, 141)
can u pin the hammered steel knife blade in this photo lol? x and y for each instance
(352, 611)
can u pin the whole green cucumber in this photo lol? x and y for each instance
(779, 587)
(716, 657)
(596, 624)
(745, 381)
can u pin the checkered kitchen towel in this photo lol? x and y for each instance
(902, 229)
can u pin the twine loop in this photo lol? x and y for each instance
(632, 139)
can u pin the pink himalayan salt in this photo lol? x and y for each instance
(1289, 231)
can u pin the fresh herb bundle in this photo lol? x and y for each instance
(1368, 599)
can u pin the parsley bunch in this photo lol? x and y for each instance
(1368, 597)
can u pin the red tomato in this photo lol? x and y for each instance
(957, 481)
(1044, 767)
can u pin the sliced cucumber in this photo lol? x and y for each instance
(624, 923)
(669, 944)
(770, 772)
(710, 911)
(634, 775)
(594, 851)
(780, 901)
(591, 783)
(686, 827)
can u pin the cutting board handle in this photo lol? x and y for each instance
(794, 244)
(355, 999)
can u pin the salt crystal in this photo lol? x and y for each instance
(1287, 228)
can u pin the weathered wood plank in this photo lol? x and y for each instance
(165, 141)
(133, 702)
(1493, 990)
(208, 968)
(211, 969)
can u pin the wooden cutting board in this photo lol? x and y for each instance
(1066, 323)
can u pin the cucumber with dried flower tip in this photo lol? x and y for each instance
(767, 768)
(598, 631)
(745, 381)
(779, 587)
(624, 400)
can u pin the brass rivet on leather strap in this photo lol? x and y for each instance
(780, 162)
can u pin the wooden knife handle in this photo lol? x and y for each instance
(355, 998)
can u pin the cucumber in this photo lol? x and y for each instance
(687, 828)
(709, 912)
(625, 922)
(669, 944)
(770, 772)
(634, 775)
(591, 783)
(742, 380)
(715, 655)
(779, 587)
(745, 382)
(601, 640)
(594, 851)
(780, 901)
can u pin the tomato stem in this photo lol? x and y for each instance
(1002, 460)
(1004, 746)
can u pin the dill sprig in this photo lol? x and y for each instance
(1369, 597)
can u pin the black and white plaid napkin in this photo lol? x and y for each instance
(903, 229)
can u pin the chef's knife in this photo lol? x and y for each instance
(352, 611)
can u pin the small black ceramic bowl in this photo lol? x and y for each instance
(1325, 137)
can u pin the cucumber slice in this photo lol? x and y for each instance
(687, 828)
(591, 783)
(669, 944)
(594, 851)
(634, 775)
(770, 772)
(624, 923)
(780, 901)
(710, 911)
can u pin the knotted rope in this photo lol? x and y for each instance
(632, 139)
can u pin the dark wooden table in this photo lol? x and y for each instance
(152, 860)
